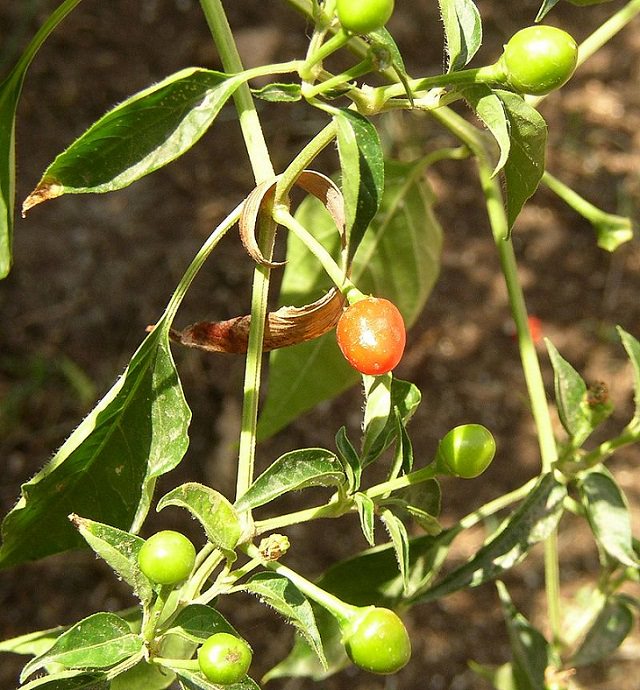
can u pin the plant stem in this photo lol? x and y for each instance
(490, 74)
(337, 274)
(336, 42)
(340, 609)
(262, 170)
(301, 162)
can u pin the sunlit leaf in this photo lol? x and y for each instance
(140, 135)
(99, 641)
(214, 512)
(291, 472)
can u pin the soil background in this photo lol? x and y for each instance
(92, 271)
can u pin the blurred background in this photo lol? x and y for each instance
(92, 271)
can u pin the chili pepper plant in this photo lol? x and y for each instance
(362, 253)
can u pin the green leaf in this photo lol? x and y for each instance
(291, 472)
(69, 680)
(145, 132)
(144, 676)
(120, 550)
(197, 622)
(400, 542)
(362, 165)
(611, 626)
(608, 515)
(34, 643)
(546, 6)
(463, 31)
(278, 93)
(399, 259)
(366, 513)
(377, 395)
(403, 455)
(490, 110)
(525, 165)
(10, 90)
(386, 54)
(214, 512)
(108, 467)
(529, 648)
(531, 523)
(350, 459)
(303, 662)
(405, 398)
(99, 641)
(283, 596)
(571, 392)
(421, 502)
(190, 680)
(632, 346)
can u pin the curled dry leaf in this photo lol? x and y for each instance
(286, 326)
(324, 189)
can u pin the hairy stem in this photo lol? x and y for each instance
(262, 170)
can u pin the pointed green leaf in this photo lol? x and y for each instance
(420, 502)
(350, 459)
(570, 392)
(291, 472)
(490, 110)
(400, 542)
(214, 512)
(99, 641)
(529, 648)
(610, 628)
(377, 394)
(398, 258)
(403, 455)
(302, 662)
(10, 90)
(531, 523)
(405, 398)
(282, 595)
(366, 513)
(108, 467)
(608, 514)
(190, 680)
(362, 165)
(546, 6)
(120, 550)
(632, 346)
(525, 165)
(145, 132)
(69, 680)
(386, 54)
(463, 31)
(197, 622)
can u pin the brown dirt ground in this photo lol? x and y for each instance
(91, 272)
